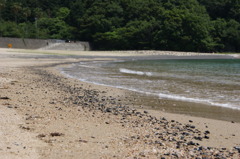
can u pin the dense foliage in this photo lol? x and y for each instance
(186, 25)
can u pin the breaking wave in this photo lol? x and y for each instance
(127, 71)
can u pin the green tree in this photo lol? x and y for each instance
(63, 13)
(231, 36)
(227, 35)
(16, 9)
(182, 30)
(2, 6)
(54, 28)
(10, 29)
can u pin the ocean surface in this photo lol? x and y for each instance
(215, 82)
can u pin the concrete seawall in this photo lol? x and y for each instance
(43, 44)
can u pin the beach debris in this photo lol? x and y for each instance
(83, 141)
(32, 117)
(41, 135)
(52, 102)
(56, 134)
(25, 127)
(4, 98)
(237, 148)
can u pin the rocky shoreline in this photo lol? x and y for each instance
(65, 118)
(164, 138)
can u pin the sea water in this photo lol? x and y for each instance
(215, 82)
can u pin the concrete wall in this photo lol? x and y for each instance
(37, 43)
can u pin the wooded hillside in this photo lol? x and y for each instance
(182, 25)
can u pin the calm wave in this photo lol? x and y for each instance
(213, 82)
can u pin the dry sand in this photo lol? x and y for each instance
(46, 115)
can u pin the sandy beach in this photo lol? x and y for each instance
(45, 114)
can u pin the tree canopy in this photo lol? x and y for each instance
(181, 25)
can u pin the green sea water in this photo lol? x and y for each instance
(215, 82)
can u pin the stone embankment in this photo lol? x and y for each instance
(75, 46)
(43, 44)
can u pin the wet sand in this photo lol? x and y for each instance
(46, 115)
(186, 108)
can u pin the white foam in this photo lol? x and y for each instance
(127, 71)
(196, 100)
(86, 66)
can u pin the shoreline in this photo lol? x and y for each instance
(154, 102)
(117, 54)
(212, 121)
(203, 123)
(68, 118)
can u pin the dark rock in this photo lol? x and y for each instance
(142, 154)
(190, 143)
(164, 118)
(207, 132)
(206, 137)
(182, 137)
(147, 136)
(192, 126)
(200, 148)
(198, 138)
(158, 143)
(185, 134)
(109, 110)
